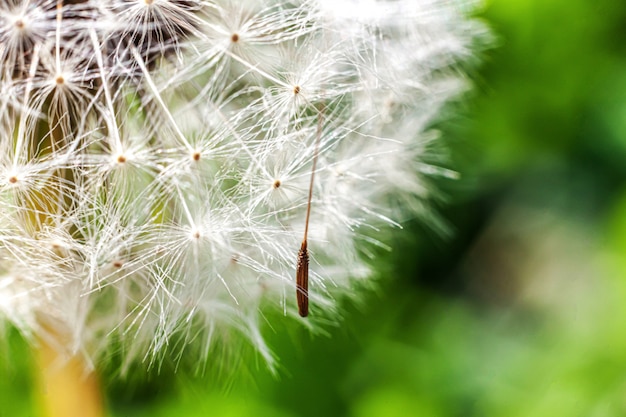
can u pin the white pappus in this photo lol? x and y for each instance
(155, 157)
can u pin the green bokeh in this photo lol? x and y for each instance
(519, 313)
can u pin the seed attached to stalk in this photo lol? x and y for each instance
(302, 266)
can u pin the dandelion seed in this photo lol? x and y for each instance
(302, 280)
(302, 266)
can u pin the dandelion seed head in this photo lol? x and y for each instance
(156, 158)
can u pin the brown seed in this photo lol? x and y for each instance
(19, 24)
(296, 89)
(276, 184)
(121, 159)
(13, 179)
(302, 280)
(59, 79)
(234, 38)
(196, 156)
(118, 264)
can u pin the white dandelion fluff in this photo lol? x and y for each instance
(156, 157)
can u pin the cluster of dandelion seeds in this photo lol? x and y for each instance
(155, 157)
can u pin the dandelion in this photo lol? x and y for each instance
(156, 158)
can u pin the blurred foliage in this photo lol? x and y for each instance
(520, 313)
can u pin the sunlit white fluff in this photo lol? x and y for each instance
(155, 158)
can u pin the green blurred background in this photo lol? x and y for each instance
(521, 312)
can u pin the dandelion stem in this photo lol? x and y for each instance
(66, 388)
